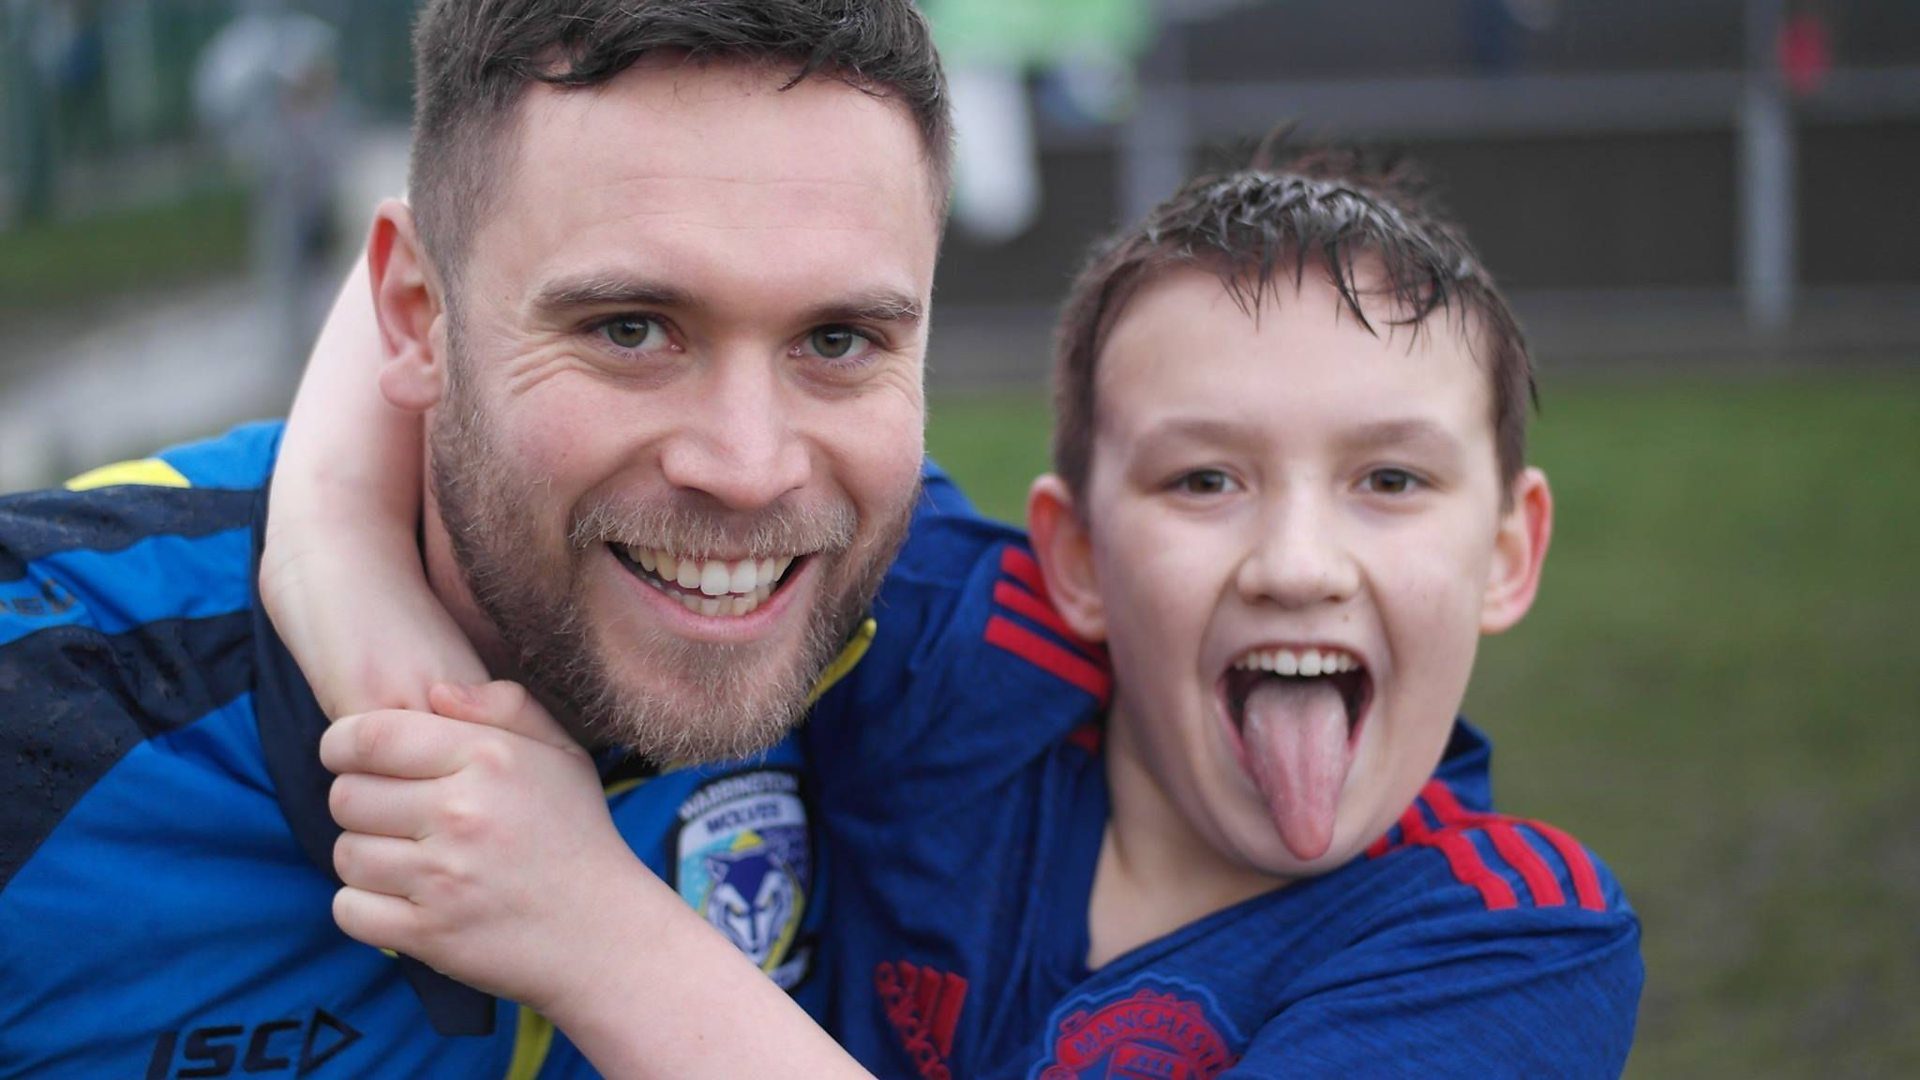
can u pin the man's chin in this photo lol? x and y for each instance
(693, 702)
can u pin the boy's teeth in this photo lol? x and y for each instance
(1307, 663)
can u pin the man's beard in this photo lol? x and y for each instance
(722, 700)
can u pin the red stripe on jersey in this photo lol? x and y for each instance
(1019, 564)
(1086, 737)
(1470, 869)
(1446, 807)
(1024, 643)
(926, 987)
(1579, 863)
(1413, 825)
(1533, 869)
(944, 1018)
(1021, 602)
(1413, 830)
(1586, 883)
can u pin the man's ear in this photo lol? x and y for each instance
(1065, 551)
(407, 301)
(1519, 552)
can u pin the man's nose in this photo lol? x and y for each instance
(1299, 557)
(737, 442)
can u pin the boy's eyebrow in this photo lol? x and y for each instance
(1407, 432)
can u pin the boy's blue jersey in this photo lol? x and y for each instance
(165, 847)
(965, 800)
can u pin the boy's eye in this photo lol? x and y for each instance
(836, 343)
(1204, 482)
(637, 333)
(1391, 481)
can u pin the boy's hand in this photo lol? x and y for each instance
(479, 842)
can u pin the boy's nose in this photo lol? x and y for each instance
(737, 443)
(1298, 559)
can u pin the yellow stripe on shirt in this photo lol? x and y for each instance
(147, 472)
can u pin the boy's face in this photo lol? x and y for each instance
(1285, 494)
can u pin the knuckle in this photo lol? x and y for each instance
(464, 819)
(340, 798)
(494, 757)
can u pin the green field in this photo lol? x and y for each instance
(1719, 690)
(72, 263)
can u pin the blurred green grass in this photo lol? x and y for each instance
(65, 263)
(1717, 690)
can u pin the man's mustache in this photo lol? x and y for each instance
(704, 532)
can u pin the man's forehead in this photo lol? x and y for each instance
(690, 168)
(735, 126)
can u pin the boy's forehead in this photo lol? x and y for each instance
(1188, 333)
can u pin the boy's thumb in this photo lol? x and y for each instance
(500, 704)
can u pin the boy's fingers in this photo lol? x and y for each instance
(392, 742)
(385, 922)
(384, 806)
(500, 704)
(380, 864)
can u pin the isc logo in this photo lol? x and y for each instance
(269, 1047)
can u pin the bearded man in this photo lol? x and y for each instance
(663, 293)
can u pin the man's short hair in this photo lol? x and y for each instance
(474, 60)
(1339, 211)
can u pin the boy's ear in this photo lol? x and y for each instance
(1065, 551)
(407, 301)
(1519, 552)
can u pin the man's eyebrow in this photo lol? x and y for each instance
(875, 307)
(608, 290)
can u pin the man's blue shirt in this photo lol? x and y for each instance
(165, 848)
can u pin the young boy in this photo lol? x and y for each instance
(1289, 496)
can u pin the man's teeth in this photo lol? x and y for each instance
(713, 586)
(713, 577)
(1307, 662)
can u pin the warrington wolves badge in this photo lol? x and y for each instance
(743, 858)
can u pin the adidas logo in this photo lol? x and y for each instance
(923, 1005)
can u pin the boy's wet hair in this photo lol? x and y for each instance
(1363, 221)
(475, 59)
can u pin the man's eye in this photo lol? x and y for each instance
(1204, 482)
(635, 332)
(837, 343)
(1391, 481)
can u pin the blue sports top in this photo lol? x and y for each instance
(165, 848)
(963, 833)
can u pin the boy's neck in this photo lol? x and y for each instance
(1156, 874)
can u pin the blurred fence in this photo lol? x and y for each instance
(97, 102)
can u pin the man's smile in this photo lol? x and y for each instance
(711, 587)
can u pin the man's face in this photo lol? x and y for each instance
(684, 433)
(1296, 528)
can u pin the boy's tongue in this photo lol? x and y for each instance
(1296, 739)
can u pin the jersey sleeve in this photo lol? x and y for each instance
(969, 672)
(1453, 984)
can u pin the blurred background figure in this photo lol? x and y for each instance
(267, 86)
(1084, 50)
(1702, 210)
